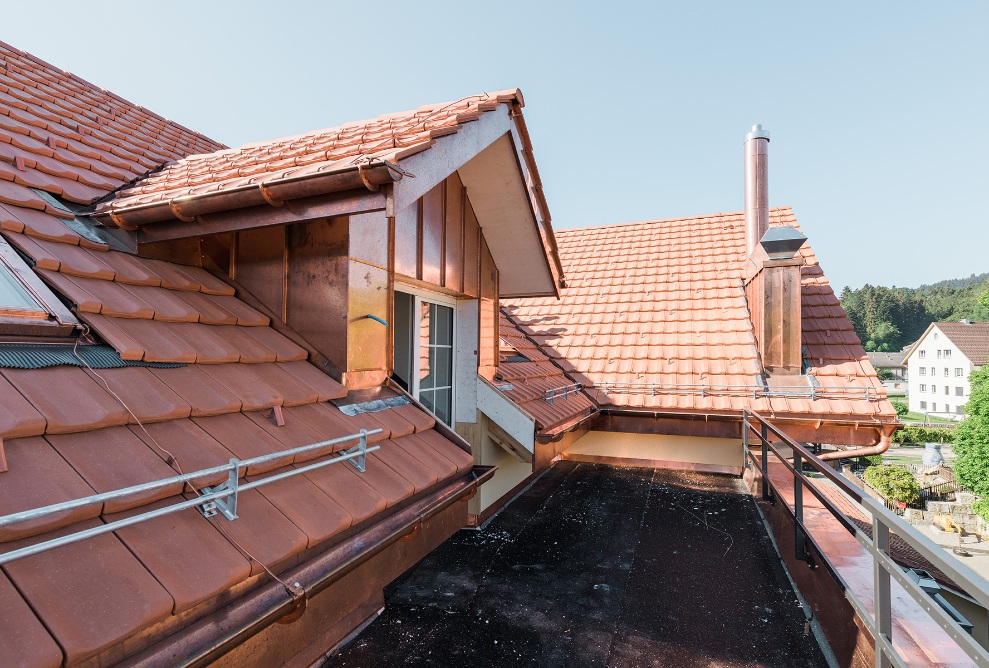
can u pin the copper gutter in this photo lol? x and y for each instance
(210, 638)
(275, 192)
(736, 417)
(558, 431)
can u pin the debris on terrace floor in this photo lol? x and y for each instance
(595, 565)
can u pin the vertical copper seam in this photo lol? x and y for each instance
(390, 340)
(445, 185)
(419, 240)
(234, 244)
(463, 238)
(285, 269)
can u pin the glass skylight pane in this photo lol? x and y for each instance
(13, 296)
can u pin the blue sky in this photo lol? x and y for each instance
(878, 111)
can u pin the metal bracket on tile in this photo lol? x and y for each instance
(564, 392)
(360, 461)
(226, 505)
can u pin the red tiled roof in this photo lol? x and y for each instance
(662, 302)
(531, 379)
(63, 135)
(389, 137)
(972, 339)
(70, 432)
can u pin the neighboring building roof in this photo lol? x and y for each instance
(390, 137)
(972, 339)
(69, 432)
(532, 378)
(887, 360)
(654, 317)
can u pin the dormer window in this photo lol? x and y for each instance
(27, 306)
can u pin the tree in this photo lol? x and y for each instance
(972, 437)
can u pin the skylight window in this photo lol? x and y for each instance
(15, 300)
(27, 306)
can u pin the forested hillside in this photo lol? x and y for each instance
(886, 319)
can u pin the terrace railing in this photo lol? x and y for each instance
(883, 522)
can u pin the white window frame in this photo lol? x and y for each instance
(418, 297)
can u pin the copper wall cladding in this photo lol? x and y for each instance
(367, 339)
(437, 240)
(369, 238)
(774, 299)
(325, 277)
(488, 345)
(259, 265)
(432, 236)
(472, 251)
(318, 285)
(407, 242)
(453, 255)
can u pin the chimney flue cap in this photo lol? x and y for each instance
(783, 242)
(757, 133)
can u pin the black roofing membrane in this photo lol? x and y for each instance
(594, 566)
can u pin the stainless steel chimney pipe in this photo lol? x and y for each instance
(756, 186)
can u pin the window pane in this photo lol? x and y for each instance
(443, 328)
(443, 405)
(426, 397)
(425, 332)
(13, 296)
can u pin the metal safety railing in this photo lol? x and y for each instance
(883, 522)
(738, 390)
(562, 392)
(221, 498)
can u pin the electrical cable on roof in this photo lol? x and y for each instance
(295, 590)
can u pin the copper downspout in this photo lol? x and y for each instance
(210, 638)
(885, 439)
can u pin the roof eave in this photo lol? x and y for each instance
(276, 192)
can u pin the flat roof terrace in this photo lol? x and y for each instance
(592, 566)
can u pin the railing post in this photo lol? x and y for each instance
(765, 462)
(798, 505)
(745, 436)
(883, 605)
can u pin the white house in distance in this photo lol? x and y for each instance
(939, 365)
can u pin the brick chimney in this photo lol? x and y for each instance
(773, 278)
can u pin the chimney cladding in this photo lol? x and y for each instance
(756, 186)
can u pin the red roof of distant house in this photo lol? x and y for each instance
(654, 316)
